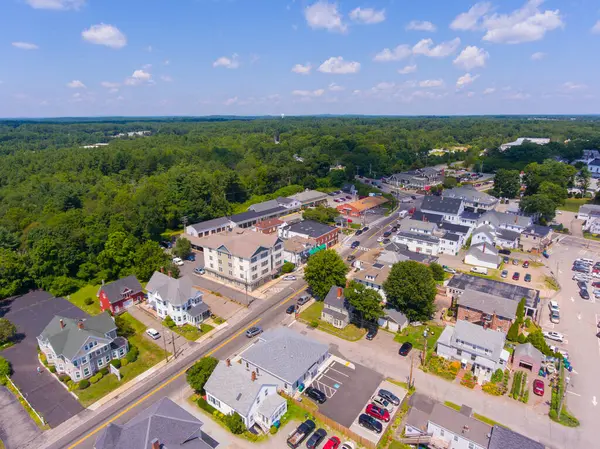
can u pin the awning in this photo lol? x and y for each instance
(316, 249)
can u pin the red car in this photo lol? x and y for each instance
(526, 264)
(596, 284)
(538, 387)
(332, 443)
(516, 276)
(378, 412)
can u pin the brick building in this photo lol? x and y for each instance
(358, 208)
(321, 233)
(269, 226)
(486, 310)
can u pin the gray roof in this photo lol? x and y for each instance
(468, 215)
(270, 405)
(462, 281)
(198, 309)
(503, 438)
(424, 216)
(175, 291)
(486, 338)
(455, 422)
(417, 236)
(309, 196)
(284, 200)
(285, 353)
(595, 162)
(504, 219)
(487, 303)
(528, 350)
(507, 235)
(476, 251)
(457, 229)
(174, 427)
(211, 224)
(418, 419)
(440, 204)
(233, 386)
(409, 224)
(470, 194)
(311, 228)
(587, 208)
(402, 250)
(538, 230)
(395, 315)
(265, 205)
(67, 341)
(391, 257)
(114, 290)
(251, 215)
(451, 236)
(332, 299)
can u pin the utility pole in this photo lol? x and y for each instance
(410, 378)
(164, 339)
(173, 341)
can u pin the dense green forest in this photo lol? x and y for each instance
(70, 215)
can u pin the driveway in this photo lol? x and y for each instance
(168, 339)
(31, 313)
(16, 427)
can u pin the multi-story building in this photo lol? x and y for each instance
(320, 233)
(373, 277)
(269, 226)
(176, 298)
(245, 259)
(422, 178)
(487, 310)
(523, 140)
(472, 197)
(80, 348)
(502, 220)
(449, 208)
(335, 308)
(119, 295)
(536, 238)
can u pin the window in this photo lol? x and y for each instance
(230, 273)
(107, 358)
(265, 271)
(211, 265)
(241, 268)
(254, 259)
(100, 363)
(471, 446)
(122, 352)
(86, 371)
(455, 438)
(266, 393)
(265, 263)
(442, 432)
(254, 268)
(254, 276)
(229, 256)
(230, 265)
(220, 269)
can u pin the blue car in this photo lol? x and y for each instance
(191, 257)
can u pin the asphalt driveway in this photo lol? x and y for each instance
(16, 427)
(31, 313)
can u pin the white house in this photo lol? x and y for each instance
(483, 255)
(418, 243)
(335, 308)
(472, 197)
(252, 393)
(374, 276)
(393, 320)
(176, 298)
(450, 243)
(502, 220)
(522, 140)
(594, 167)
(484, 234)
(449, 208)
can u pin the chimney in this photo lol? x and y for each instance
(228, 361)
(162, 269)
(155, 444)
(169, 273)
(80, 324)
(62, 323)
(340, 292)
(253, 377)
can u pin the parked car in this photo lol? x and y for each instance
(553, 305)
(506, 259)
(538, 387)
(555, 317)
(191, 257)
(347, 445)
(332, 443)
(596, 284)
(370, 423)
(289, 277)
(177, 261)
(371, 334)
(584, 294)
(405, 349)
(303, 300)
(413, 197)
(387, 233)
(447, 269)
(581, 285)
(516, 276)
(504, 251)
(253, 331)
(515, 262)
(153, 333)
(386, 241)
(526, 264)
(365, 229)
(199, 270)
(316, 438)
(355, 244)
(315, 395)
(527, 278)
(378, 413)
(291, 309)
(553, 335)
(545, 254)
(389, 396)
(504, 274)
(359, 232)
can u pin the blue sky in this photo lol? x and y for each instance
(244, 57)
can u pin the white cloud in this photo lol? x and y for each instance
(424, 47)
(308, 93)
(25, 45)
(407, 69)
(109, 85)
(103, 34)
(489, 90)
(230, 101)
(228, 63)
(570, 85)
(431, 83)
(397, 54)
(76, 84)
(471, 57)
(470, 94)
(166, 62)
(336, 87)
(421, 25)
(138, 77)
(596, 28)
(538, 55)
(324, 15)
(465, 80)
(166, 78)
(518, 96)
(55, 4)
(302, 69)
(338, 66)
(525, 24)
(368, 16)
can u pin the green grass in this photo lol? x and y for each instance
(589, 236)
(313, 315)
(573, 204)
(192, 333)
(398, 445)
(78, 299)
(414, 335)
(452, 405)
(551, 283)
(487, 420)
(150, 355)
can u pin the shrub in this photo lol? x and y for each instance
(71, 385)
(64, 378)
(235, 424)
(218, 320)
(314, 324)
(273, 430)
(553, 415)
(124, 362)
(437, 271)
(99, 375)
(497, 376)
(83, 384)
(169, 322)
(5, 369)
(104, 371)
(493, 389)
(44, 359)
(522, 339)
(133, 354)
(206, 406)
(116, 363)
(287, 267)
(513, 332)
(52, 369)
(526, 396)
(88, 301)
(528, 322)
(468, 380)
(94, 379)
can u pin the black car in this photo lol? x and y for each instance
(359, 232)
(291, 309)
(355, 244)
(350, 258)
(413, 197)
(316, 439)
(370, 423)
(316, 395)
(391, 397)
(387, 233)
(405, 349)
(584, 293)
(386, 241)
(365, 229)
(395, 229)
(506, 252)
(582, 285)
(371, 334)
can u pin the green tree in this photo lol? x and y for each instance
(199, 373)
(437, 271)
(556, 193)
(14, 276)
(365, 301)
(182, 248)
(324, 270)
(450, 182)
(321, 214)
(7, 330)
(235, 423)
(536, 338)
(287, 267)
(150, 257)
(583, 180)
(521, 311)
(550, 170)
(507, 183)
(169, 322)
(5, 370)
(124, 327)
(539, 204)
(410, 287)
(513, 332)
(117, 257)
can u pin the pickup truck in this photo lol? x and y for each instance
(299, 435)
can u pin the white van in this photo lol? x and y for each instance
(480, 270)
(403, 213)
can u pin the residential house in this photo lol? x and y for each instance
(472, 198)
(290, 204)
(536, 238)
(349, 188)
(528, 357)
(502, 220)
(483, 255)
(176, 298)
(594, 167)
(374, 277)
(362, 206)
(504, 438)
(475, 346)
(419, 215)
(522, 140)
(290, 357)
(335, 308)
(491, 235)
(468, 218)
(324, 235)
(449, 208)
(296, 249)
(310, 198)
(234, 388)
(590, 214)
(451, 243)
(393, 320)
(402, 252)
(270, 226)
(80, 348)
(421, 227)
(418, 243)
(462, 230)
(119, 295)
(423, 178)
(163, 425)
(487, 310)
(484, 234)
(245, 259)
(462, 282)
(507, 239)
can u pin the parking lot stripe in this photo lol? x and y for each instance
(339, 372)
(328, 377)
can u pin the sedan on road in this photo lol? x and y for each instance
(555, 317)
(359, 232)
(289, 277)
(355, 244)
(365, 229)
(350, 258)
(553, 335)
(253, 331)
(291, 309)
(538, 387)
(371, 334)
(405, 349)
(199, 270)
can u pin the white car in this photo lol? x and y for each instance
(553, 306)
(177, 261)
(153, 333)
(555, 317)
(289, 277)
(380, 239)
(553, 335)
(383, 403)
(347, 445)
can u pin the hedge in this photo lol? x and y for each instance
(83, 384)
(133, 354)
(116, 363)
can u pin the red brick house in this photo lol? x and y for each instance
(321, 233)
(119, 295)
(487, 310)
(269, 226)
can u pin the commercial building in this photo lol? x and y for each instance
(297, 249)
(323, 235)
(449, 208)
(362, 206)
(522, 140)
(310, 198)
(472, 197)
(421, 179)
(290, 204)
(536, 238)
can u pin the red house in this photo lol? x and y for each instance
(121, 294)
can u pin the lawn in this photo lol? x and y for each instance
(150, 355)
(192, 333)
(414, 335)
(573, 204)
(312, 316)
(78, 298)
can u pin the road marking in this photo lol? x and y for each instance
(579, 316)
(339, 372)
(572, 299)
(290, 325)
(574, 394)
(594, 402)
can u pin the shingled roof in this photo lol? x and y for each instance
(114, 291)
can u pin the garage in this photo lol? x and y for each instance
(526, 365)
(528, 357)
